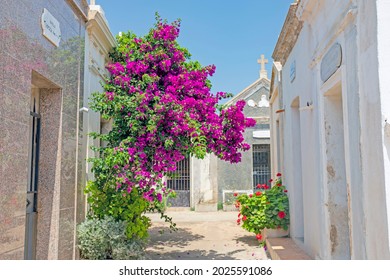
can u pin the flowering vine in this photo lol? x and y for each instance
(162, 110)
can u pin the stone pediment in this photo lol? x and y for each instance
(250, 90)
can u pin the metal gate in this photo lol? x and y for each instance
(180, 182)
(32, 187)
(261, 164)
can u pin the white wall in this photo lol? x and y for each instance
(204, 184)
(383, 8)
(351, 207)
(98, 42)
(304, 87)
(373, 171)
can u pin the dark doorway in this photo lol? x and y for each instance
(32, 185)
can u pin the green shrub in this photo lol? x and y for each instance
(122, 206)
(106, 238)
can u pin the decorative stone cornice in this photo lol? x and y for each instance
(80, 11)
(275, 79)
(288, 36)
(98, 27)
(307, 8)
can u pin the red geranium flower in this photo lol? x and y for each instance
(266, 187)
(279, 185)
(285, 190)
(235, 194)
(258, 186)
(258, 193)
(239, 214)
(281, 214)
(279, 174)
(250, 195)
(238, 221)
(259, 236)
(270, 180)
(244, 218)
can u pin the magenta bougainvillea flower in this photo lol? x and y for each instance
(163, 110)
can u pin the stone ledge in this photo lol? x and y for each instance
(285, 249)
(206, 207)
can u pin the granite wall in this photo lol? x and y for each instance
(28, 59)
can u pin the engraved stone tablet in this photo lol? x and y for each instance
(331, 62)
(51, 28)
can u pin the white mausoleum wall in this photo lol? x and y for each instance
(344, 139)
(383, 7)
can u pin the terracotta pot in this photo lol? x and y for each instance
(275, 233)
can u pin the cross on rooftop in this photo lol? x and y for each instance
(262, 61)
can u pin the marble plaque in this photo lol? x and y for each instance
(51, 27)
(331, 62)
(261, 134)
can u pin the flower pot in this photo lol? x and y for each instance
(275, 233)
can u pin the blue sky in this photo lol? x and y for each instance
(230, 34)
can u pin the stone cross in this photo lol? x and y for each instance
(262, 61)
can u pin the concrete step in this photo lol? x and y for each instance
(285, 249)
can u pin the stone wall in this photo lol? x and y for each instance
(28, 59)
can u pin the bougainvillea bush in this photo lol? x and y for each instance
(267, 208)
(162, 110)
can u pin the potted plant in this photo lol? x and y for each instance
(266, 212)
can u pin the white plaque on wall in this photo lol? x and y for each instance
(51, 27)
(331, 62)
(261, 134)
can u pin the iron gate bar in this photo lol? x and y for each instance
(261, 164)
(180, 180)
(32, 188)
